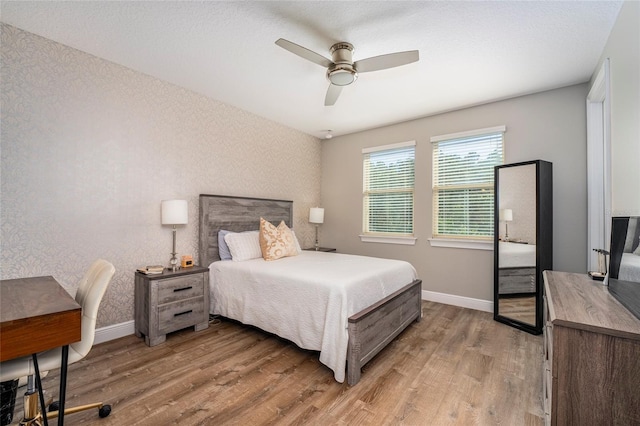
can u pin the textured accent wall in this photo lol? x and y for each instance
(89, 149)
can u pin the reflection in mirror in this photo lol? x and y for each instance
(624, 273)
(517, 243)
(629, 269)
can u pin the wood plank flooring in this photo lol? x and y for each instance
(456, 367)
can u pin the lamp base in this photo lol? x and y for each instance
(173, 262)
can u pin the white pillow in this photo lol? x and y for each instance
(295, 239)
(244, 245)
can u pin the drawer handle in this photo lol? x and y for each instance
(183, 313)
(182, 289)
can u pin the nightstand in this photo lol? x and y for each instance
(171, 301)
(325, 249)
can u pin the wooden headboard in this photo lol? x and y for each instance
(235, 214)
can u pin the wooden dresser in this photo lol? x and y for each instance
(592, 354)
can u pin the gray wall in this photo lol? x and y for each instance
(549, 126)
(623, 51)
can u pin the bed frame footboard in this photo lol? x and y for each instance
(373, 328)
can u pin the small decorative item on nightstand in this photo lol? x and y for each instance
(325, 249)
(151, 270)
(187, 261)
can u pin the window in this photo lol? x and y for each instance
(389, 176)
(463, 170)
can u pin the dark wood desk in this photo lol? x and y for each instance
(36, 315)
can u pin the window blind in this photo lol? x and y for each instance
(389, 176)
(463, 170)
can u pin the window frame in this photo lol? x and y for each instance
(462, 241)
(383, 237)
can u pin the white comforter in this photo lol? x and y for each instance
(306, 298)
(515, 255)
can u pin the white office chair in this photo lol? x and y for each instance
(90, 291)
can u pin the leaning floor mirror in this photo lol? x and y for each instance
(523, 231)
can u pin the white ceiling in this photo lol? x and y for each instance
(470, 52)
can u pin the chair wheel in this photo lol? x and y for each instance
(54, 406)
(104, 411)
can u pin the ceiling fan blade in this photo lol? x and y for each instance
(303, 52)
(332, 95)
(390, 60)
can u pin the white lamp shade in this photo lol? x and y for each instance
(506, 215)
(316, 215)
(175, 212)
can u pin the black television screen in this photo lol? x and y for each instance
(624, 268)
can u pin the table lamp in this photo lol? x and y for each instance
(506, 215)
(174, 212)
(316, 216)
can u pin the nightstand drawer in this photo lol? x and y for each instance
(179, 315)
(179, 288)
(517, 280)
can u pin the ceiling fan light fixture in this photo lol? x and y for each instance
(342, 71)
(342, 75)
(328, 135)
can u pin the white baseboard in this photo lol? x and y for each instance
(114, 331)
(463, 302)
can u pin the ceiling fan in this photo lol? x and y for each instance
(342, 71)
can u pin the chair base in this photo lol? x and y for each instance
(31, 409)
(103, 410)
(37, 420)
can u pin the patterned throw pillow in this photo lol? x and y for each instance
(276, 242)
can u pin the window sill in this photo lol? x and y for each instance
(409, 241)
(464, 244)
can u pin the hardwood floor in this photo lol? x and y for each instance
(456, 367)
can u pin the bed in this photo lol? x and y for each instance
(347, 330)
(517, 269)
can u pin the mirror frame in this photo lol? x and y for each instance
(544, 240)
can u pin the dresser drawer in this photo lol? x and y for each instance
(178, 315)
(180, 288)
(548, 340)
